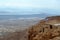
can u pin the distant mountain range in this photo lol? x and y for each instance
(42, 15)
(24, 11)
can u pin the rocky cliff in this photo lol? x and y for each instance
(46, 29)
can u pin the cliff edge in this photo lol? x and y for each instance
(46, 29)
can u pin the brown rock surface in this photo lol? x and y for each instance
(45, 29)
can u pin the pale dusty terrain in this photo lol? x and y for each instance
(46, 29)
(12, 25)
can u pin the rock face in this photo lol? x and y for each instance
(45, 29)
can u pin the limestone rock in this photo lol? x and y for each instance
(45, 30)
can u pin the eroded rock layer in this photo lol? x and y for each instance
(46, 29)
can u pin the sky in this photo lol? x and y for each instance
(28, 5)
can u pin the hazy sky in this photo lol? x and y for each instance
(30, 4)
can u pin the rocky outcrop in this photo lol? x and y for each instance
(45, 30)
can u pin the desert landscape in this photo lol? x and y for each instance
(29, 19)
(45, 29)
(15, 27)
